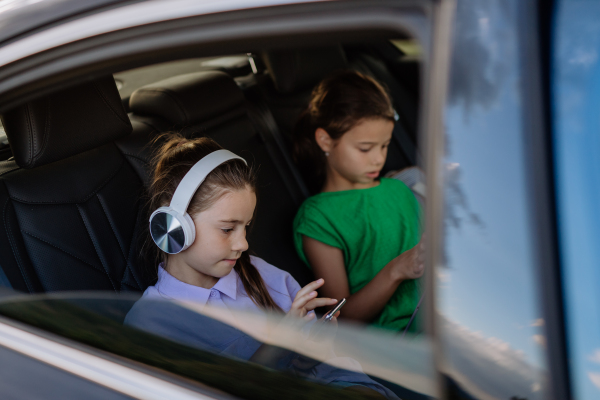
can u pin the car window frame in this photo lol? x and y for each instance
(73, 62)
(114, 372)
(77, 60)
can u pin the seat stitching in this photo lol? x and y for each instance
(46, 136)
(29, 134)
(63, 250)
(128, 267)
(127, 263)
(11, 169)
(12, 247)
(107, 104)
(126, 284)
(95, 246)
(131, 248)
(137, 158)
(75, 201)
(111, 226)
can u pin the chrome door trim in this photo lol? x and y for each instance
(96, 369)
(133, 15)
(433, 137)
(23, 80)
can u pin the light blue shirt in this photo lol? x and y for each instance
(229, 291)
(167, 319)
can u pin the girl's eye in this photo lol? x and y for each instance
(227, 230)
(364, 150)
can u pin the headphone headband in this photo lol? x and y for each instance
(171, 227)
(196, 175)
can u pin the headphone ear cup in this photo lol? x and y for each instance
(171, 231)
(190, 230)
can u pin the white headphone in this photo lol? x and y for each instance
(171, 228)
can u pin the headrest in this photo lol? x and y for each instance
(66, 123)
(188, 99)
(293, 70)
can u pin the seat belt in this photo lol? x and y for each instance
(4, 282)
(412, 317)
(261, 115)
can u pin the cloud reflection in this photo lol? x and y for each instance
(477, 357)
(595, 356)
(480, 54)
(595, 378)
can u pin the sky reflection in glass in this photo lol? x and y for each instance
(487, 290)
(576, 98)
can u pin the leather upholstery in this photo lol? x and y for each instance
(58, 126)
(72, 204)
(138, 149)
(270, 236)
(294, 73)
(293, 70)
(75, 223)
(188, 99)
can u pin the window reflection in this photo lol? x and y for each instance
(489, 319)
(217, 348)
(576, 80)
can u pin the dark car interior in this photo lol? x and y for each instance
(74, 164)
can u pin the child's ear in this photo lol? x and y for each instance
(324, 141)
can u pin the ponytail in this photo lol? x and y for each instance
(337, 104)
(175, 157)
(254, 284)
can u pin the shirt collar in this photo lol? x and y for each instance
(171, 287)
(228, 285)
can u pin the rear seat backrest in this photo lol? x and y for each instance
(294, 73)
(210, 104)
(70, 201)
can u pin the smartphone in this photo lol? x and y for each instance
(337, 308)
(317, 331)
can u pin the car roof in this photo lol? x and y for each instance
(22, 17)
(29, 26)
(19, 17)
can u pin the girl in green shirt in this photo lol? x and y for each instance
(358, 233)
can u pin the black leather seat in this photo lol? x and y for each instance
(71, 201)
(292, 74)
(211, 104)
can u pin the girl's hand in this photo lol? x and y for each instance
(306, 300)
(410, 264)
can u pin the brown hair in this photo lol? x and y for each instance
(172, 161)
(337, 104)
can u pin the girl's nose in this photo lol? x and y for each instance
(379, 158)
(240, 244)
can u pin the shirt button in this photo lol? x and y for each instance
(213, 293)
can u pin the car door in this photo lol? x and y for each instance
(493, 302)
(104, 40)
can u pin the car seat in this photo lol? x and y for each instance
(211, 104)
(293, 73)
(71, 200)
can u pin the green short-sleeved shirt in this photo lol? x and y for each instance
(371, 227)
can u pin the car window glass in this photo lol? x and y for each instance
(403, 364)
(405, 367)
(490, 319)
(576, 101)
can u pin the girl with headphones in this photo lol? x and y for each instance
(203, 199)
